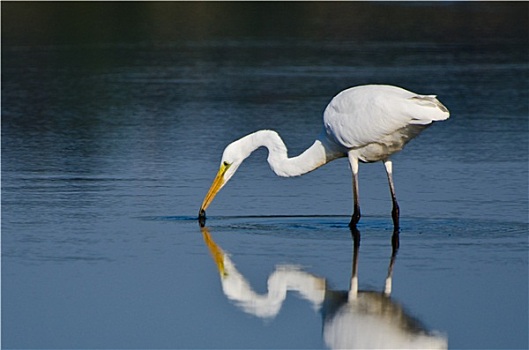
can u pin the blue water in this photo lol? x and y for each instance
(112, 134)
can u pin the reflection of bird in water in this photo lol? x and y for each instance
(351, 319)
(364, 123)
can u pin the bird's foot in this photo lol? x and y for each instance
(395, 213)
(355, 218)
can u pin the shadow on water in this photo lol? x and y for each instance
(351, 319)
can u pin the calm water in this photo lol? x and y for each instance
(112, 133)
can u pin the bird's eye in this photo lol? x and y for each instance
(225, 163)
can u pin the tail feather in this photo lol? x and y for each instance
(435, 110)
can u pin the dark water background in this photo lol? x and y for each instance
(114, 117)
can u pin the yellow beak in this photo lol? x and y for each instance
(216, 252)
(217, 184)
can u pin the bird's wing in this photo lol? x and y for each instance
(357, 117)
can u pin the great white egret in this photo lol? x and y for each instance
(352, 319)
(364, 123)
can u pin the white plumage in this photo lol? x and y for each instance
(365, 123)
(352, 319)
(368, 114)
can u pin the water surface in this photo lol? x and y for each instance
(111, 137)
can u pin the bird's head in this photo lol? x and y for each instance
(234, 154)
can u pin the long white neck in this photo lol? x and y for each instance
(320, 153)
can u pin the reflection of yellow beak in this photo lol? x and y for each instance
(218, 182)
(216, 252)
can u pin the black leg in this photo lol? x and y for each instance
(355, 217)
(395, 213)
(395, 243)
(394, 249)
(353, 289)
(355, 234)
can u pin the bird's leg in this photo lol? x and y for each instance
(395, 211)
(394, 250)
(353, 288)
(356, 206)
(353, 161)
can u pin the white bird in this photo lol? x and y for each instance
(352, 319)
(364, 123)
